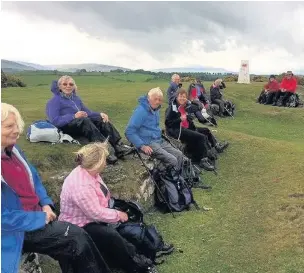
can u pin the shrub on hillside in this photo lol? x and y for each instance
(11, 81)
(3, 79)
(257, 78)
(231, 78)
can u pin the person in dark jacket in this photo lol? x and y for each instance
(270, 89)
(144, 132)
(216, 96)
(179, 125)
(198, 96)
(67, 112)
(174, 85)
(288, 87)
(27, 212)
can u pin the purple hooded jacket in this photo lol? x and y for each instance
(61, 110)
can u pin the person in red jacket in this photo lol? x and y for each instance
(288, 87)
(270, 89)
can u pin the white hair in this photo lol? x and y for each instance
(155, 91)
(174, 76)
(66, 78)
(7, 109)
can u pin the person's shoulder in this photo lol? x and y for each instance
(54, 99)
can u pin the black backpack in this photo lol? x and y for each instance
(190, 173)
(145, 238)
(178, 195)
(293, 101)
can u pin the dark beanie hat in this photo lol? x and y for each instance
(272, 76)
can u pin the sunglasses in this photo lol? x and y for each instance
(70, 84)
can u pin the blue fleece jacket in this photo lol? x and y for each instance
(61, 110)
(15, 221)
(143, 127)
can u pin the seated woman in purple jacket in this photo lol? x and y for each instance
(67, 112)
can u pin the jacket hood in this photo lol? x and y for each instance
(55, 89)
(143, 100)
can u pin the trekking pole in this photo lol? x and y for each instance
(228, 112)
(157, 187)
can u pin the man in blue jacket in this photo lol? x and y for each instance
(28, 222)
(172, 89)
(144, 132)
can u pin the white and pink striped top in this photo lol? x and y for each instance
(82, 200)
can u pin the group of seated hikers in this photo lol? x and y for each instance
(201, 101)
(279, 94)
(92, 232)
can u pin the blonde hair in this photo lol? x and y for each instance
(93, 156)
(218, 81)
(66, 78)
(6, 109)
(174, 76)
(155, 91)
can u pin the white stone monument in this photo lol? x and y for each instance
(244, 76)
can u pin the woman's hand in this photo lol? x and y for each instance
(104, 117)
(81, 114)
(50, 215)
(123, 216)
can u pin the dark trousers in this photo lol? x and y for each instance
(200, 117)
(116, 250)
(262, 97)
(68, 244)
(221, 104)
(196, 143)
(92, 129)
(270, 97)
(286, 95)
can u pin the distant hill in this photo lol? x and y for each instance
(17, 66)
(88, 67)
(10, 66)
(194, 69)
(37, 66)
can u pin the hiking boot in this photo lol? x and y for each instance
(122, 150)
(205, 164)
(151, 269)
(142, 264)
(166, 250)
(111, 159)
(212, 154)
(220, 147)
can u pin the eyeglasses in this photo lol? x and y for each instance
(70, 84)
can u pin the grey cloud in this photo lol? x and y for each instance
(162, 28)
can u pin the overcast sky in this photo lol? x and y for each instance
(153, 35)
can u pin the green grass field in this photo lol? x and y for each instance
(257, 219)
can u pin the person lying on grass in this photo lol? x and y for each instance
(179, 125)
(67, 112)
(84, 201)
(28, 221)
